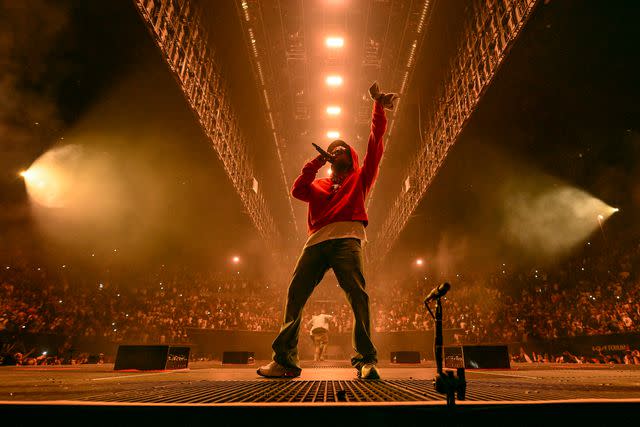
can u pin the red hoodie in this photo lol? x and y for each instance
(347, 204)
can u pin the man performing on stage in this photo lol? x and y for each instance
(337, 219)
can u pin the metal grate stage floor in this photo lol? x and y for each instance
(332, 386)
(355, 391)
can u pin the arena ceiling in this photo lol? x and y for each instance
(563, 107)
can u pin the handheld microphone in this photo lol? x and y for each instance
(437, 292)
(328, 157)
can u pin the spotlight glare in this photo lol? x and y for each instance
(334, 80)
(333, 134)
(334, 42)
(333, 110)
(29, 175)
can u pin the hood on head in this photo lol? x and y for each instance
(354, 156)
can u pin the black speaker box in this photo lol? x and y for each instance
(93, 359)
(477, 357)
(238, 357)
(405, 357)
(151, 357)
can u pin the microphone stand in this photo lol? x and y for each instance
(445, 382)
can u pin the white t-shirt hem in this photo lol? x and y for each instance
(338, 230)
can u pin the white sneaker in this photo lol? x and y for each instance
(275, 370)
(369, 372)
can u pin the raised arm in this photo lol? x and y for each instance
(375, 147)
(301, 189)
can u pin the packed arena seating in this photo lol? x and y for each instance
(586, 297)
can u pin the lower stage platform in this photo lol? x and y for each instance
(235, 394)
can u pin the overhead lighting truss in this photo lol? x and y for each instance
(250, 14)
(178, 30)
(490, 29)
(292, 29)
(396, 68)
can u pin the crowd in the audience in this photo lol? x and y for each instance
(586, 297)
(148, 312)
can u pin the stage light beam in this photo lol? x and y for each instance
(44, 184)
(552, 222)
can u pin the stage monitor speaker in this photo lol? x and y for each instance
(238, 357)
(151, 357)
(93, 359)
(477, 357)
(405, 357)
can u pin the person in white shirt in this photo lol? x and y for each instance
(319, 330)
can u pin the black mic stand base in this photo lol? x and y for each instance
(446, 382)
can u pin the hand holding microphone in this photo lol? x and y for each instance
(327, 157)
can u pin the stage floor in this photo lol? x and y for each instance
(321, 383)
(327, 393)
